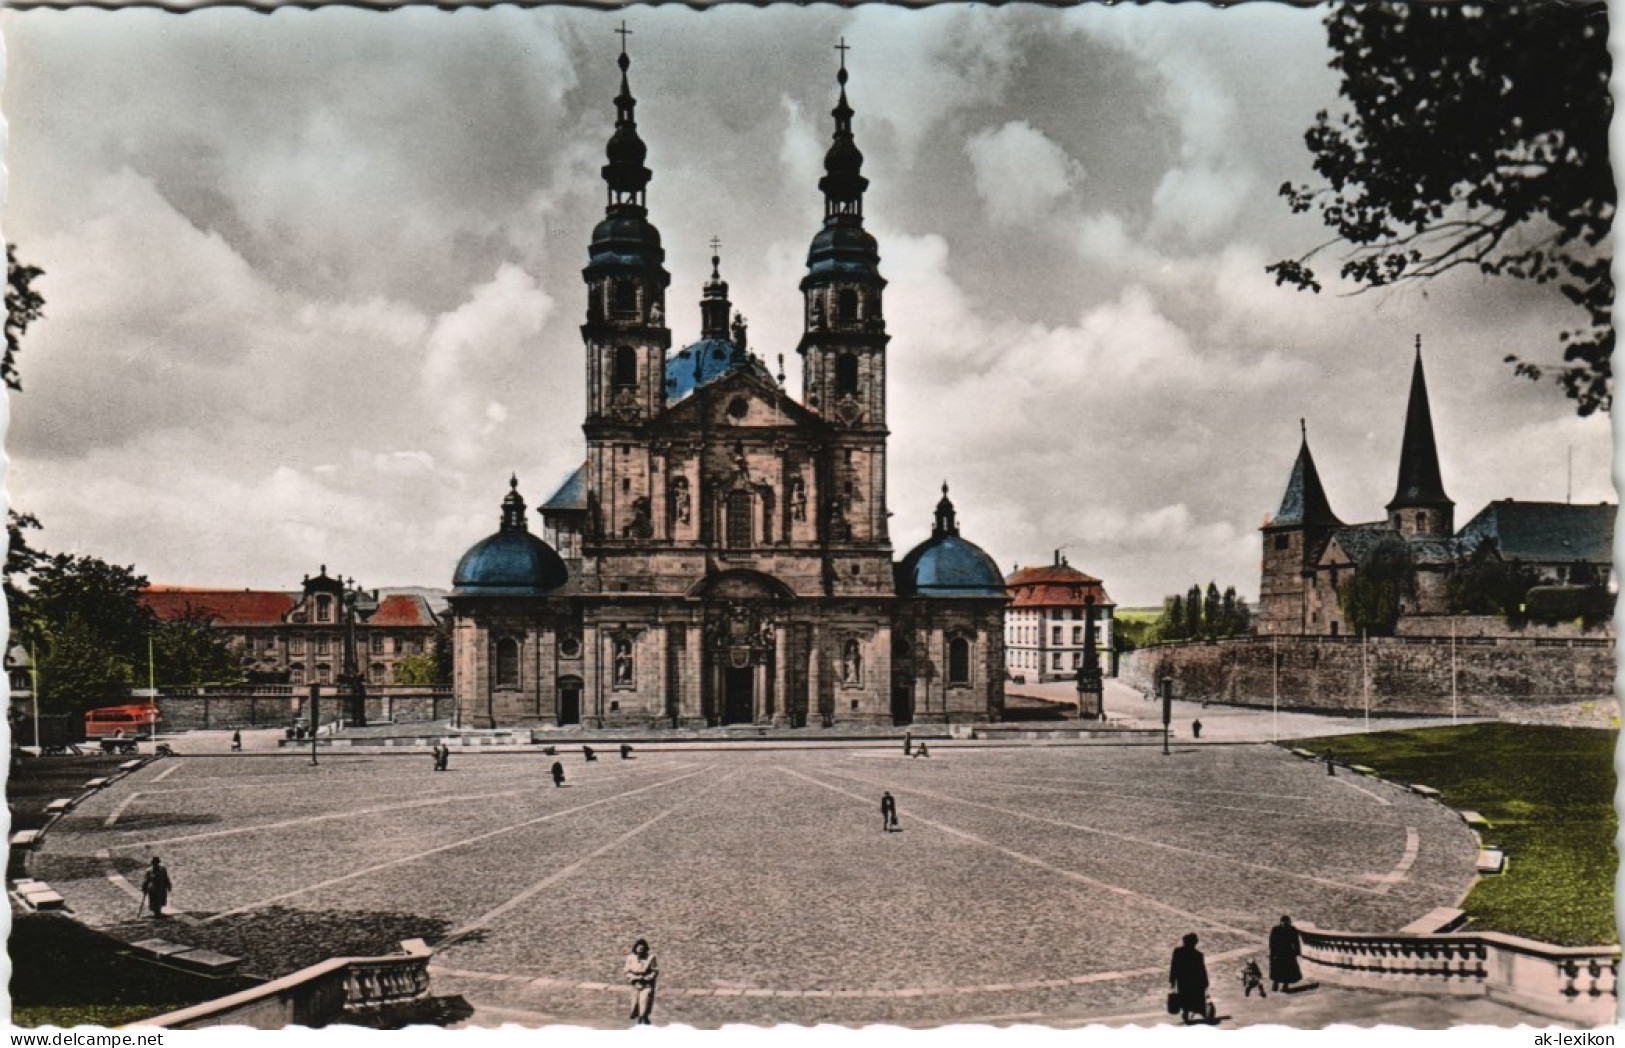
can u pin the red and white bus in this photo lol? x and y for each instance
(131, 721)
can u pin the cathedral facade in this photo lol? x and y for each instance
(723, 554)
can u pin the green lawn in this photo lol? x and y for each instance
(1548, 794)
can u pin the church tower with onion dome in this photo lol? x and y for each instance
(722, 556)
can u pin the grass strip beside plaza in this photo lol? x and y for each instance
(1548, 793)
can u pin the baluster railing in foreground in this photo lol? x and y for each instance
(1577, 983)
(344, 989)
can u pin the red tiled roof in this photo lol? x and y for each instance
(402, 609)
(1048, 573)
(226, 607)
(1054, 585)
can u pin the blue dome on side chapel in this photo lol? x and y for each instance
(946, 565)
(512, 562)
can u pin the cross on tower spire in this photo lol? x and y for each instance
(623, 33)
(716, 245)
(843, 47)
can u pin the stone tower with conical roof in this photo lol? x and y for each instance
(1293, 540)
(1420, 508)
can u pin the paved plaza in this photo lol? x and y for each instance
(1030, 883)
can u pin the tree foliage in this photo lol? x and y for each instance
(1202, 615)
(1484, 584)
(86, 627)
(1473, 137)
(1384, 580)
(188, 650)
(24, 305)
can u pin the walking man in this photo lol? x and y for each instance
(558, 774)
(156, 886)
(908, 744)
(1196, 728)
(888, 812)
(641, 973)
(237, 742)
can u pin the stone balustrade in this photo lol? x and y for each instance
(344, 989)
(1575, 983)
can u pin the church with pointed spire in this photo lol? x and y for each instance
(723, 555)
(1310, 556)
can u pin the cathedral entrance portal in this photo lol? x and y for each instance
(739, 695)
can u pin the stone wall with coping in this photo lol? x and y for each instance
(1403, 675)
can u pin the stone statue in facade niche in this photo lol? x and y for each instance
(798, 498)
(623, 661)
(681, 500)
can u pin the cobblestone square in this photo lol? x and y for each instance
(1047, 882)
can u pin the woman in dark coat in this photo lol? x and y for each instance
(1285, 946)
(1187, 978)
(558, 773)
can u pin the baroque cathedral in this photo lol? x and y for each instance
(723, 555)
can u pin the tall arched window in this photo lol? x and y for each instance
(739, 508)
(959, 661)
(507, 663)
(846, 304)
(846, 375)
(626, 367)
(625, 298)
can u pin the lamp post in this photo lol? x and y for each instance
(352, 680)
(1091, 688)
(315, 693)
(1275, 687)
(33, 690)
(1365, 682)
(1167, 711)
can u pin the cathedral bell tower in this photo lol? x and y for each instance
(843, 347)
(625, 333)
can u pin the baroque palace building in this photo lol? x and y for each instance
(723, 556)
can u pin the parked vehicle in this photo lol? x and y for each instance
(124, 722)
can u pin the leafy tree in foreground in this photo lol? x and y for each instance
(88, 630)
(1473, 136)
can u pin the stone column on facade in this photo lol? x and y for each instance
(815, 679)
(882, 675)
(592, 677)
(689, 709)
(781, 675)
(937, 703)
(547, 675)
(759, 696)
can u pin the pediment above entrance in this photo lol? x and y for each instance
(741, 400)
(740, 584)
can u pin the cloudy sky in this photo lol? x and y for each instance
(313, 278)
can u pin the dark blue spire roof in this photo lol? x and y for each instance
(1304, 504)
(1420, 484)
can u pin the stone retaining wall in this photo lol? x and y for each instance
(1410, 675)
(268, 710)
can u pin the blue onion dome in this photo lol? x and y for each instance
(946, 565)
(511, 563)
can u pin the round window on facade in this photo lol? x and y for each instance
(738, 408)
(570, 646)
